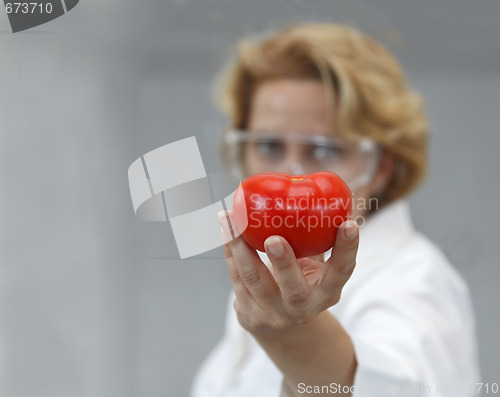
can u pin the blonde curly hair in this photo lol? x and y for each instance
(367, 82)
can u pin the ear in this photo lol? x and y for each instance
(384, 173)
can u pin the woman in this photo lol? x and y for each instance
(391, 317)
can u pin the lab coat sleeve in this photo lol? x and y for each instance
(412, 328)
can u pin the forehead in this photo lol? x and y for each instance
(291, 105)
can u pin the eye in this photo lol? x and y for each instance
(269, 148)
(325, 153)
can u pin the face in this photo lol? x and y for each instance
(301, 107)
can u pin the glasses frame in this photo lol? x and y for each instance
(366, 146)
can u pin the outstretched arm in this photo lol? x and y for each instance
(284, 307)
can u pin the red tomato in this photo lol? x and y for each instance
(306, 210)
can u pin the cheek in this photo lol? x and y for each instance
(361, 202)
(249, 164)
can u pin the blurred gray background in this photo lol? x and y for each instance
(89, 305)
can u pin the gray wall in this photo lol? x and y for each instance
(88, 304)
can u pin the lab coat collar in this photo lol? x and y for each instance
(384, 230)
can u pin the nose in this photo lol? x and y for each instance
(295, 169)
(293, 164)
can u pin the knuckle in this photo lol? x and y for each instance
(345, 244)
(281, 265)
(257, 324)
(250, 277)
(299, 318)
(298, 299)
(236, 307)
(302, 319)
(233, 273)
(351, 245)
(346, 270)
(279, 323)
(334, 298)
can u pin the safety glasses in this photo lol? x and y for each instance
(252, 152)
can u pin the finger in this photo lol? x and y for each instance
(288, 273)
(251, 271)
(243, 297)
(248, 312)
(341, 263)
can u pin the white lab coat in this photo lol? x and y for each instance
(406, 309)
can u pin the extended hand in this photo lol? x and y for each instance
(292, 291)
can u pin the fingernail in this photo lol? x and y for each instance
(351, 230)
(224, 222)
(275, 247)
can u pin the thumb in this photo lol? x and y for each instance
(341, 263)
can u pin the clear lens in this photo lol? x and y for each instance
(254, 152)
(271, 150)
